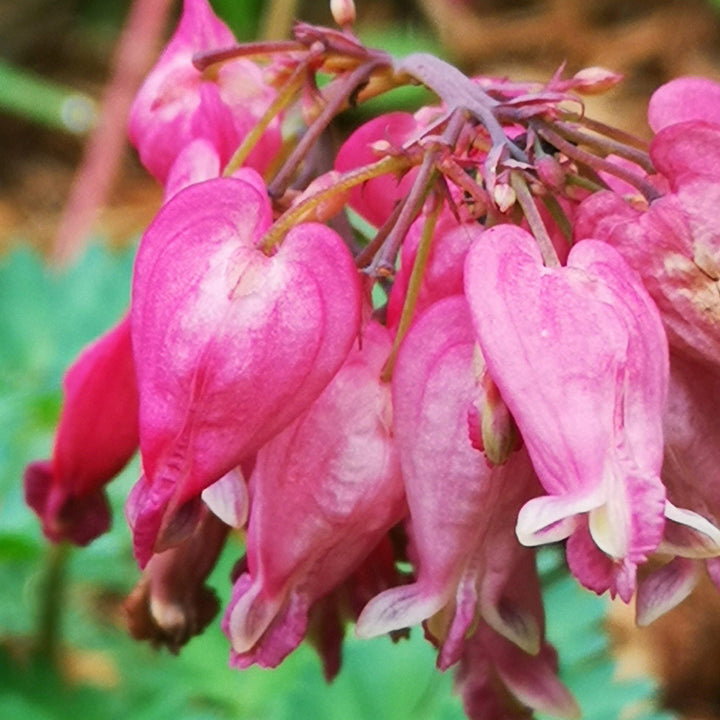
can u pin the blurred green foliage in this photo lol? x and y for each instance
(46, 319)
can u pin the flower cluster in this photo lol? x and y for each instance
(545, 367)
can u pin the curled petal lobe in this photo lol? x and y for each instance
(664, 589)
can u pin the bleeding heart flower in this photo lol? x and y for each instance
(462, 510)
(675, 247)
(231, 345)
(96, 437)
(323, 494)
(177, 103)
(580, 358)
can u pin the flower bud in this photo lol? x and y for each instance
(595, 80)
(343, 12)
(504, 197)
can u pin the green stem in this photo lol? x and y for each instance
(414, 285)
(51, 600)
(278, 18)
(283, 99)
(558, 215)
(35, 98)
(349, 180)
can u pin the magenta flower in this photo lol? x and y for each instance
(96, 437)
(580, 358)
(323, 494)
(462, 510)
(177, 103)
(231, 344)
(674, 245)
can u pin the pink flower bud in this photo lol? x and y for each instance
(330, 205)
(595, 80)
(550, 172)
(343, 12)
(177, 103)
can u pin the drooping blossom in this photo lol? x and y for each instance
(691, 473)
(96, 437)
(462, 510)
(170, 604)
(323, 494)
(580, 358)
(231, 344)
(177, 103)
(497, 679)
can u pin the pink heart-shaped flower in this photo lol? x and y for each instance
(231, 344)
